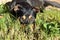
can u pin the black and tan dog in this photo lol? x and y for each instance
(25, 12)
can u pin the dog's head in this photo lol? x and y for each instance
(28, 16)
(26, 13)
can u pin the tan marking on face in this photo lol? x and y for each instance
(24, 17)
(34, 9)
(30, 16)
(16, 7)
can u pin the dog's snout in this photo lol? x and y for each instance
(24, 21)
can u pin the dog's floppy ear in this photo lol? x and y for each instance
(36, 9)
(16, 7)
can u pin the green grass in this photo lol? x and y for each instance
(47, 26)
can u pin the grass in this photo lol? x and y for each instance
(47, 26)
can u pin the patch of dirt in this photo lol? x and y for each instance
(58, 1)
(50, 7)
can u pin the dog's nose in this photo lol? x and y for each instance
(24, 21)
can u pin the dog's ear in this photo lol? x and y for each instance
(36, 9)
(16, 7)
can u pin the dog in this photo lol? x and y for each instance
(24, 11)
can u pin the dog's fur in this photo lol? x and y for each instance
(42, 4)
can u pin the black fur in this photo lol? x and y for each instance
(41, 4)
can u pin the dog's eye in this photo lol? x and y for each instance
(24, 17)
(30, 16)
